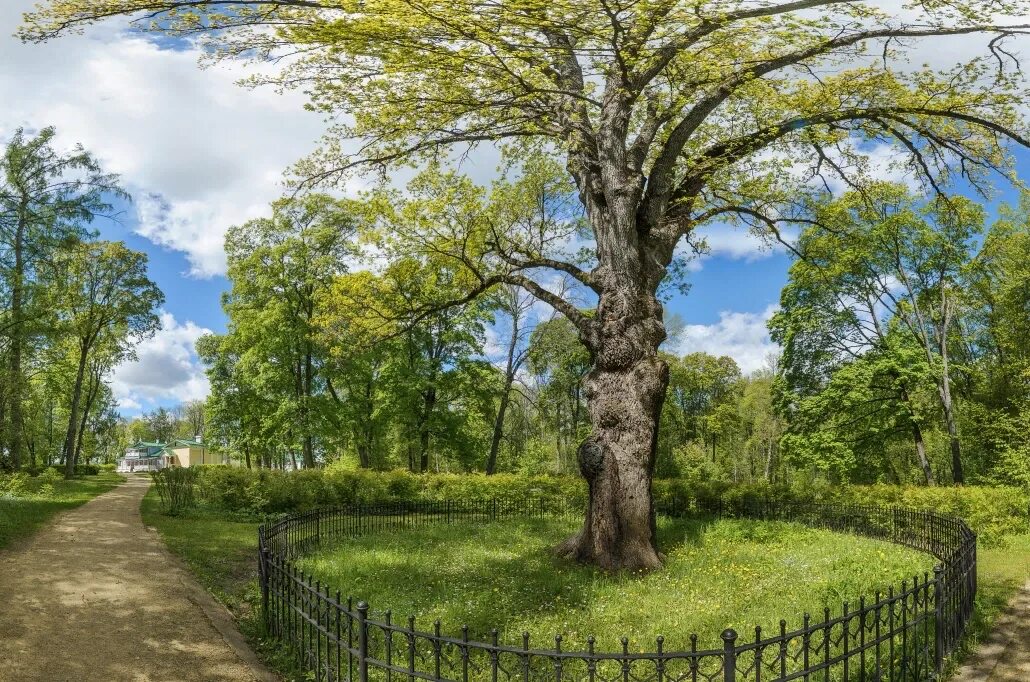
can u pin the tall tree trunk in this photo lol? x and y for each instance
(945, 388)
(924, 463)
(768, 461)
(917, 437)
(950, 420)
(73, 413)
(429, 405)
(15, 383)
(91, 396)
(625, 389)
(368, 435)
(495, 439)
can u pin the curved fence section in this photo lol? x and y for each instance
(906, 634)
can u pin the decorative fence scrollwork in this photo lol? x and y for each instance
(904, 635)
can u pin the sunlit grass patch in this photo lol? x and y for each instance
(717, 574)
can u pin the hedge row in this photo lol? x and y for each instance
(80, 469)
(991, 511)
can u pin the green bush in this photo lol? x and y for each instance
(80, 469)
(266, 491)
(14, 485)
(176, 487)
(991, 511)
(50, 476)
(108, 467)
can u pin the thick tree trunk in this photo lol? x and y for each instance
(624, 390)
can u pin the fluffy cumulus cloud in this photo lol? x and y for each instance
(166, 368)
(198, 152)
(741, 336)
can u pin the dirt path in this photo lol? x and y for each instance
(1005, 655)
(96, 596)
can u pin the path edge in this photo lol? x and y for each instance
(216, 613)
(987, 658)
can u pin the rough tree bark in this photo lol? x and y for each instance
(625, 390)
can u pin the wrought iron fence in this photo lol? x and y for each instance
(904, 635)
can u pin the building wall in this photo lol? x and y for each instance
(187, 456)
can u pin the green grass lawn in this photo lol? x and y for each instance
(22, 516)
(717, 574)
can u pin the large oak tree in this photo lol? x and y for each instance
(668, 114)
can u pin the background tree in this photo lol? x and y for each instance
(47, 198)
(279, 268)
(108, 305)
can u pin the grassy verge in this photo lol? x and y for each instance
(222, 554)
(21, 516)
(717, 574)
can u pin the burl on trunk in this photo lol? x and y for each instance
(624, 391)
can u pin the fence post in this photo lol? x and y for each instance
(263, 576)
(729, 668)
(363, 641)
(938, 606)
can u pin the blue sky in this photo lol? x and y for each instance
(200, 154)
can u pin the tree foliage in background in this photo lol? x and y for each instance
(72, 307)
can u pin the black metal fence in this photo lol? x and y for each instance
(904, 635)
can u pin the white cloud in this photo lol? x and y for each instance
(742, 336)
(166, 368)
(198, 152)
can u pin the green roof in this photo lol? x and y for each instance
(166, 446)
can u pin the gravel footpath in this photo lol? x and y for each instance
(1005, 655)
(97, 596)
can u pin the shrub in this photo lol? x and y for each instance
(80, 469)
(108, 467)
(15, 485)
(991, 511)
(176, 488)
(50, 476)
